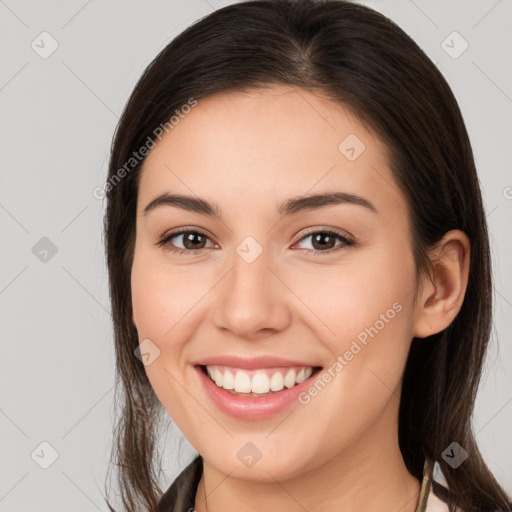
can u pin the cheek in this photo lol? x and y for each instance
(160, 305)
(363, 291)
(162, 295)
(379, 338)
(365, 309)
(369, 353)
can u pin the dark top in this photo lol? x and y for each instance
(189, 478)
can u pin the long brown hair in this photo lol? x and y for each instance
(361, 59)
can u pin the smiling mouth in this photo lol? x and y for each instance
(260, 382)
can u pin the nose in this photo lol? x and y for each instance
(251, 301)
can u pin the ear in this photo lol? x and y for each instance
(441, 297)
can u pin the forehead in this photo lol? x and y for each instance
(273, 143)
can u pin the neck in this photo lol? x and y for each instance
(369, 473)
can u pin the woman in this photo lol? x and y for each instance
(299, 269)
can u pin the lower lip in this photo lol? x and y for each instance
(253, 408)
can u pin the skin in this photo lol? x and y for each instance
(248, 153)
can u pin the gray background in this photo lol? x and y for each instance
(58, 115)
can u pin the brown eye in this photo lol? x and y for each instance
(325, 241)
(192, 241)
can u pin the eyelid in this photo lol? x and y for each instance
(185, 229)
(325, 229)
(166, 237)
(347, 239)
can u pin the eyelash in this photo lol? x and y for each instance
(346, 241)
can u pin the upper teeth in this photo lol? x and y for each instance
(257, 381)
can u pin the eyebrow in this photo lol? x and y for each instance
(289, 207)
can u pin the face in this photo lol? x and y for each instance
(267, 281)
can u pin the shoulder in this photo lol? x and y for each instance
(180, 497)
(435, 503)
(438, 499)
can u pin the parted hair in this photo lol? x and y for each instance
(359, 58)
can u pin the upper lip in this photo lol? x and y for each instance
(252, 363)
